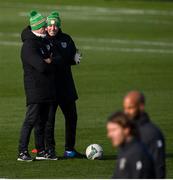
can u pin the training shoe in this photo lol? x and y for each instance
(73, 154)
(51, 155)
(41, 155)
(24, 156)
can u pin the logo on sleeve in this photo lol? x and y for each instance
(159, 143)
(138, 165)
(122, 163)
(63, 44)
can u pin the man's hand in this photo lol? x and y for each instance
(77, 57)
(48, 60)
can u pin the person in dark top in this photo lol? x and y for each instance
(133, 161)
(150, 134)
(64, 54)
(38, 84)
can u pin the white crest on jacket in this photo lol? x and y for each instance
(138, 165)
(122, 163)
(48, 47)
(64, 44)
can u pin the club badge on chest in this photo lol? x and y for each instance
(48, 47)
(63, 45)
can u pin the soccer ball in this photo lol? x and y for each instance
(94, 151)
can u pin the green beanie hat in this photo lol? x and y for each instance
(37, 21)
(54, 18)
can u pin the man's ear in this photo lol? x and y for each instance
(127, 131)
(46, 28)
(142, 107)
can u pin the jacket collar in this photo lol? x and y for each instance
(39, 35)
(125, 146)
(142, 118)
(28, 34)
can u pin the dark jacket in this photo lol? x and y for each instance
(134, 162)
(153, 138)
(63, 54)
(38, 75)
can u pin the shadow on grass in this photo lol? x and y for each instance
(109, 157)
(114, 157)
(169, 155)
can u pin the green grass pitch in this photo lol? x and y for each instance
(126, 45)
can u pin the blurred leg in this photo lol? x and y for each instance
(50, 128)
(70, 114)
(40, 126)
(32, 116)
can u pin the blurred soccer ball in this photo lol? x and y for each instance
(94, 151)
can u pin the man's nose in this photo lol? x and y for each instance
(53, 27)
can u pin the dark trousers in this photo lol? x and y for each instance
(36, 116)
(70, 114)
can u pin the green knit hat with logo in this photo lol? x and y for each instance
(54, 19)
(37, 21)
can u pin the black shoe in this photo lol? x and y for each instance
(51, 155)
(41, 155)
(73, 154)
(24, 156)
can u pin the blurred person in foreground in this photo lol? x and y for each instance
(150, 134)
(134, 161)
(64, 54)
(38, 83)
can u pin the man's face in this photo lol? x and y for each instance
(41, 30)
(116, 133)
(131, 108)
(52, 30)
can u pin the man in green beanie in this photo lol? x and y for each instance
(65, 54)
(38, 83)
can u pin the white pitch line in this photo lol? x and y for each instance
(107, 40)
(88, 17)
(9, 43)
(10, 34)
(112, 49)
(128, 50)
(99, 10)
(123, 41)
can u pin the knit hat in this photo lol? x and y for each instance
(37, 21)
(54, 18)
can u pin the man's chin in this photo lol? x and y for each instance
(115, 144)
(130, 117)
(52, 34)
